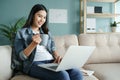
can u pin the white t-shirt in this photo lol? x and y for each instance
(42, 54)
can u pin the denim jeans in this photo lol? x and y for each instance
(44, 74)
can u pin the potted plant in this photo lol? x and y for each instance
(9, 31)
(113, 26)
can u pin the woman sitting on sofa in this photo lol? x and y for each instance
(32, 50)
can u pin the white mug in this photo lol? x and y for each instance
(44, 38)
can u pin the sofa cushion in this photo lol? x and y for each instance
(63, 42)
(107, 47)
(105, 71)
(5, 62)
(23, 77)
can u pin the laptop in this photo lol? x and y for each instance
(75, 57)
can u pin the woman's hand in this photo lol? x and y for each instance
(36, 38)
(58, 59)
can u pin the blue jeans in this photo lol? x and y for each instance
(44, 74)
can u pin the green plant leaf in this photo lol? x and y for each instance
(114, 24)
(19, 23)
(5, 29)
(9, 31)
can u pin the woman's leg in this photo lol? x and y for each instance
(45, 74)
(75, 74)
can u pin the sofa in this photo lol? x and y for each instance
(104, 62)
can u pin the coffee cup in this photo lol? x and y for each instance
(44, 38)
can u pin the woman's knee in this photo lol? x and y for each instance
(75, 74)
(62, 75)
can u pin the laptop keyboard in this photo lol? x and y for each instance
(53, 67)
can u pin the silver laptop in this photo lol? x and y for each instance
(75, 57)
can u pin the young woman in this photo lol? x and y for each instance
(31, 50)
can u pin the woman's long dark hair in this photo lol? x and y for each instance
(34, 10)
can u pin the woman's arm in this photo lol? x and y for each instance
(36, 40)
(29, 49)
(57, 57)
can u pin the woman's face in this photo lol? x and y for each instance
(39, 19)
